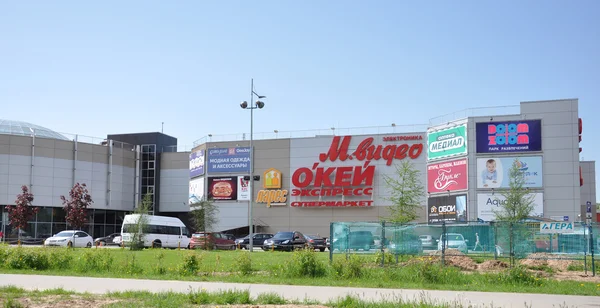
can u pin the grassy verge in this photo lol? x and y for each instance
(15, 297)
(298, 268)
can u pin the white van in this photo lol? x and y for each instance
(163, 231)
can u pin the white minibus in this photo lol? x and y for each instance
(162, 231)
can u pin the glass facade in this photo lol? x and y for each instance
(148, 172)
(26, 129)
(51, 220)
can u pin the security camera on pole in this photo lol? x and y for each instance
(253, 105)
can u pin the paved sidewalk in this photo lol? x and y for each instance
(322, 294)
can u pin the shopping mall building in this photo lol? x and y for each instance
(307, 181)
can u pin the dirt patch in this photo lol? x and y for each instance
(55, 301)
(556, 262)
(577, 276)
(493, 265)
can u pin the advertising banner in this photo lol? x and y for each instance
(196, 190)
(494, 172)
(223, 188)
(556, 227)
(450, 175)
(222, 160)
(447, 142)
(509, 136)
(447, 209)
(243, 189)
(196, 164)
(488, 203)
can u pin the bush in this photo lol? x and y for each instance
(160, 269)
(190, 265)
(61, 258)
(435, 273)
(20, 258)
(243, 263)
(270, 299)
(132, 267)
(348, 269)
(304, 263)
(388, 258)
(3, 254)
(519, 275)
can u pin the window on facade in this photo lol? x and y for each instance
(150, 165)
(44, 214)
(58, 215)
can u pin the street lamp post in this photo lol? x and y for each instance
(253, 105)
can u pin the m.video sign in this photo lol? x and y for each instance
(509, 136)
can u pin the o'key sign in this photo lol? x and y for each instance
(556, 227)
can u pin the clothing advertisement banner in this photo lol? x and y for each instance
(229, 160)
(449, 175)
(447, 142)
(447, 209)
(494, 172)
(196, 190)
(243, 189)
(488, 203)
(196, 164)
(509, 136)
(223, 188)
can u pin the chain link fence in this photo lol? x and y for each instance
(508, 242)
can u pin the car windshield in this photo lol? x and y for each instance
(65, 234)
(314, 237)
(281, 235)
(455, 237)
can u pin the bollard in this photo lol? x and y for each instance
(178, 245)
(272, 248)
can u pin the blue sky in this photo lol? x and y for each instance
(95, 68)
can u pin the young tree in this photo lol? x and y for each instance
(518, 203)
(140, 227)
(407, 192)
(22, 212)
(77, 205)
(204, 217)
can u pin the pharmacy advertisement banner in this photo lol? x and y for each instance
(196, 164)
(447, 176)
(494, 172)
(447, 142)
(448, 209)
(196, 190)
(488, 203)
(243, 189)
(508, 136)
(223, 188)
(229, 160)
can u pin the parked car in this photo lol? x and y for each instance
(316, 242)
(211, 241)
(328, 243)
(286, 241)
(427, 241)
(355, 240)
(229, 236)
(108, 240)
(71, 238)
(407, 244)
(453, 241)
(118, 240)
(258, 241)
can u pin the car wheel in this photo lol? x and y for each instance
(367, 248)
(321, 249)
(70, 244)
(156, 244)
(232, 247)
(89, 245)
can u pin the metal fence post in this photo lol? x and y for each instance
(331, 243)
(592, 251)
(495, 241)
(382, 242)
(585, 242)
(512, 246)
(444, 239)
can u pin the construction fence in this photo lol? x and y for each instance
(504, 241)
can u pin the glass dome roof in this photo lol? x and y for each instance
(25, 129)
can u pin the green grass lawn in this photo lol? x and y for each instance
(298, 268)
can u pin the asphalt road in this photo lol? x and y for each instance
(322, 294)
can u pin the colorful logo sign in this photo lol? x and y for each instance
(196, 190)
(222, 188)
(447, 209)
(447, 142)
(196, 163)
(449, 175)
(243, 189)
(494, 172)
(509, 136)
(221, 160)
(272, 194)
(488, 204)
(556, 227)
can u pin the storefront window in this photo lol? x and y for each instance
(58, 227)
(44, 214)
(99, 217)
(58, 215)
(110, 217)
(99, 231)
(43, 230)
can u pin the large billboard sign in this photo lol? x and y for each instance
(509, 136)
(196, 163)
(494, 172)
(488, 203)
(196, 190)
(447, 176)
(229, 160)
(272, 194)
(450, 209)
(447, 142)
(340, 171)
